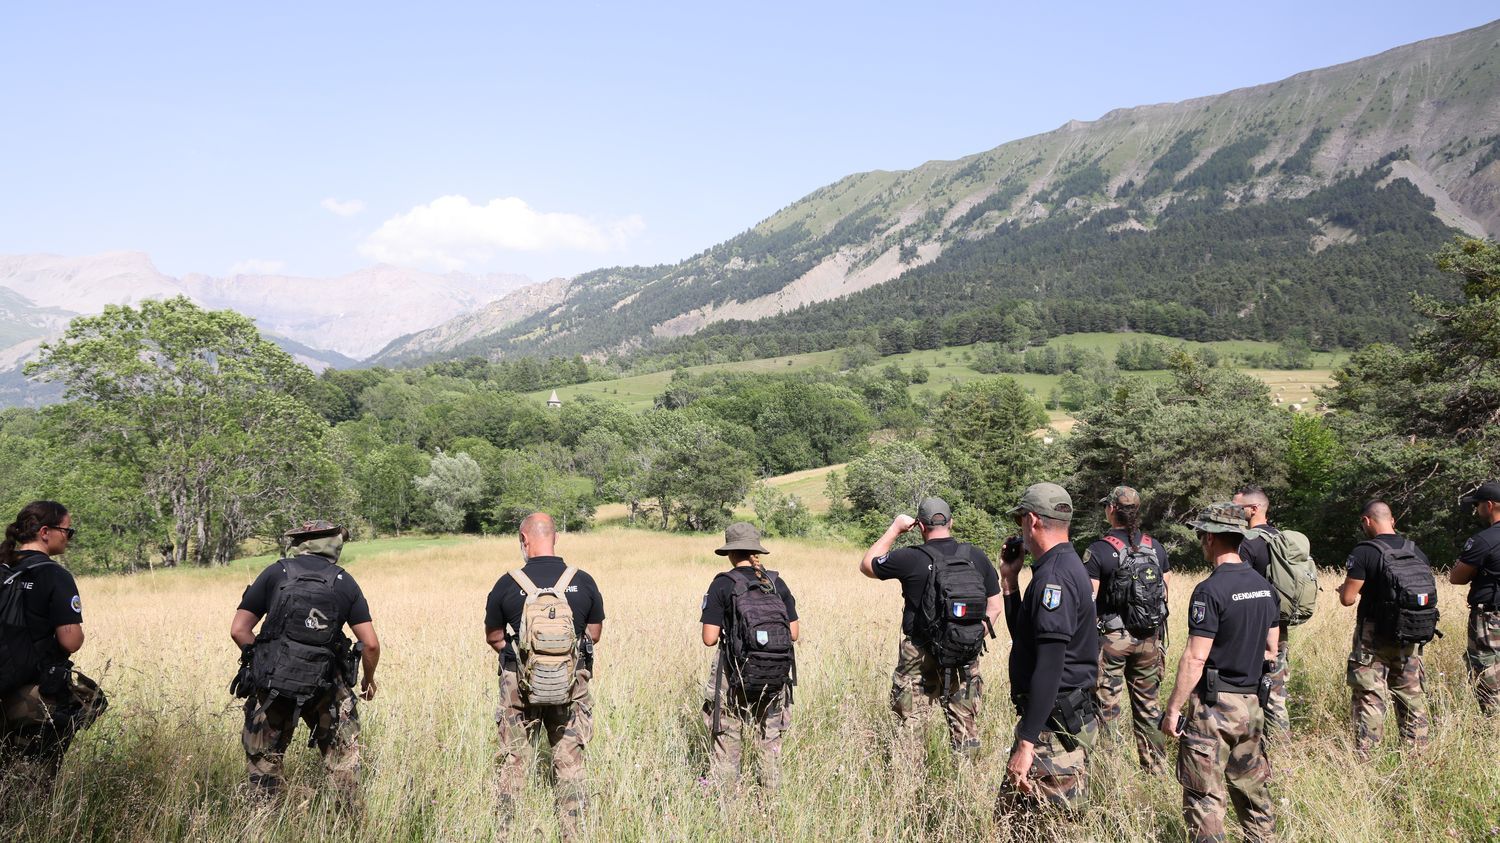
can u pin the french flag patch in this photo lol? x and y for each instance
(1423, 599)
(960, 610)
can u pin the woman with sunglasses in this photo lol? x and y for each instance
(43, 701)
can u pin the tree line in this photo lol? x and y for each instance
(186, 438)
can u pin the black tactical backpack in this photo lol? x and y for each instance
(951, 619)
(1137, 591)
(20, 661)
(758, 654)
(297, 650)
(1408, 610)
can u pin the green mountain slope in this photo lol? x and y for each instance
(1304, 208)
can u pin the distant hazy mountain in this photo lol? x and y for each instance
(1306, 206)
(322, 321)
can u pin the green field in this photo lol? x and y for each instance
(948, 367)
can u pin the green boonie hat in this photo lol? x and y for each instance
(314, 530)
(934, 512)
(741, 536)
(1048, 500)
(1122, 496)
(1222, 518)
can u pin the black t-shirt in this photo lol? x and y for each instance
(912, 567)
(353, 607)
(1482, 550)
(49, 598)
(1366, 564)
(507, 599)
(1234, 606)
(718, 602)
(1101, 561)
(1255, 551)
(1058, 605)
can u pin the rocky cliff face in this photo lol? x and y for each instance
(1433, 107)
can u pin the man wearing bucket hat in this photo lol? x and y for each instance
(1233, 627)
(301, 665)
(1478, 567)
(751, 616)
(919, 678)
(1054, 657)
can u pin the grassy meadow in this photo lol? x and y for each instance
(165, 762)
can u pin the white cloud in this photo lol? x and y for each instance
(453, 232)
(257, 266)
(343, 207)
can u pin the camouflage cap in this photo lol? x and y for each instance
(1048, 500)
(934, 512)
(741, 536)
(315, 529)
(1222, 518)
(1122, 496)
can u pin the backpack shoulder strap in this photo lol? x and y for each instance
(1146, 540)
(1115, 542)
(561, 586)
(524, 582)
(24, 569)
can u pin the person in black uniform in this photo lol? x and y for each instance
(727, 712)
(1478, 567)
(331, 714)
(1132, 659)
(1232, 632)
(1257, 552)
(568, 728)
(917, 676)
(1054, 657)
(39, 718)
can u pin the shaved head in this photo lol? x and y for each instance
(538, 525)
(538, 534)
(1378, 511)
(1376, 519)
(1252, 495)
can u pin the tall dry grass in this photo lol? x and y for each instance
(165, 762)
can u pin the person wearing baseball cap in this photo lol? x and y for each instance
(1233, 628)
(1054, 659)
(919, 662)
(1478, 567)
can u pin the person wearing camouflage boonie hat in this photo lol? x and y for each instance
(751, 594)
(306, 600)
(1233, 629)
(918, 682)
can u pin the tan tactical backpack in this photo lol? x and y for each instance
(546, 643)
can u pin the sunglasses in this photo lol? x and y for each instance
(67, 531)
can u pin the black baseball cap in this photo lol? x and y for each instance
(1487, 491)
(934, 512)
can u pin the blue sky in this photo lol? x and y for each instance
(548, 139)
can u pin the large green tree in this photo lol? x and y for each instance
(985, 431)
(207, 413)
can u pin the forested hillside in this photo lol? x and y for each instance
(1302, 209)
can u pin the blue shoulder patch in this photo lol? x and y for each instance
(1052, 596)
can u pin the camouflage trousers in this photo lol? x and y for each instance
(1222, 745)
(1278, 715)
(1483, 657)
(36, 730)
(918, 681)
(765, 718)
(1127, 662)
(1059, 779)
(1381, 669)
(333, 722)
(568, 730)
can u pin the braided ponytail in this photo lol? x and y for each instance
(1130, 522)
(29, 522)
